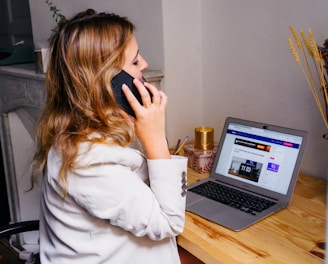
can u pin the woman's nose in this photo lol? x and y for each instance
(143, 64)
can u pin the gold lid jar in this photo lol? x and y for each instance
(204, 138)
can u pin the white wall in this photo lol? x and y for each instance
(249, 72)
(183, 65)
(149, 31)
(246, 68)
(222, 58)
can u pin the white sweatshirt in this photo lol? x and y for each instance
(120, 208)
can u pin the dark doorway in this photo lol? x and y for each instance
(15, 23)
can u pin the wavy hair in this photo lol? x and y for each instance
(86, 52)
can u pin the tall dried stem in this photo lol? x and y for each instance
(313, 51)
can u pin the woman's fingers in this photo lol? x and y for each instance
(146, 94)
(150, 118)
(157, 96)
(149, 95)
(132, 100)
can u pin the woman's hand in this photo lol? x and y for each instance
(150, 119)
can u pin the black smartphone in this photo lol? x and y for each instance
(124, 78)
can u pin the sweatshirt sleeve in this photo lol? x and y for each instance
(112, 187)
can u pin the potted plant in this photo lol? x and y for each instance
(56, 14)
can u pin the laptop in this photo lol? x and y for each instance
(253, 174)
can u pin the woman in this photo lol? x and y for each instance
(111, 191)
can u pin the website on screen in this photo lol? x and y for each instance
(259, 157)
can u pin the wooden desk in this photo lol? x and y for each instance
(293, 235)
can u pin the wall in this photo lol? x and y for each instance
(148, 31)
(183, 67)
(249, 71)
(242, 67)
(223, 58)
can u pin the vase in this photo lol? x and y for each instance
(43, 58)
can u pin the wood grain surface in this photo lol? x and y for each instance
(293, 235)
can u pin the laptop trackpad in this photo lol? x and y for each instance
(221, 214)
(206, 207)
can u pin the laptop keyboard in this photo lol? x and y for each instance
(243, 201)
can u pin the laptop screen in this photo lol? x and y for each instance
(259, 156)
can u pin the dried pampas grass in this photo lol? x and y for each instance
(320, 94)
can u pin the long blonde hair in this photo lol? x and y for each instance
(86, 52)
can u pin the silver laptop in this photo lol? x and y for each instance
(253, 175)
